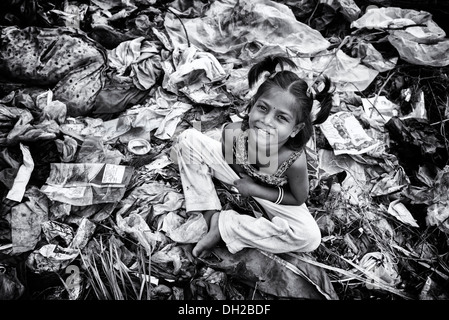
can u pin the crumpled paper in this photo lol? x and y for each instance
(26, 221)
(23, 175)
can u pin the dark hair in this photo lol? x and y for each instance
(290, 82)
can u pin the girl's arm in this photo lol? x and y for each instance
(295, 193)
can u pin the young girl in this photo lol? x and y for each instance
(263, 157)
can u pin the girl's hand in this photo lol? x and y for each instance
(245, 184)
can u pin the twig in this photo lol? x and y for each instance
(377, 95)
(183, 26)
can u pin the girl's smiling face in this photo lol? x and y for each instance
(273, 118)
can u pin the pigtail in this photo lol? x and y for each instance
(269, 65)
(324, 97)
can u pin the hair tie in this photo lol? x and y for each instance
(311, 93)
(273, 74)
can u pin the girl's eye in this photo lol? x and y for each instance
(261, 107)
(282, 118)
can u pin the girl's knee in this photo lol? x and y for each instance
(313, 239)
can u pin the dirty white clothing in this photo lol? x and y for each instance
(288, 229)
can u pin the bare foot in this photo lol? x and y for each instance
(210, 240)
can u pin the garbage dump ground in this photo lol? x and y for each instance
(92, 94)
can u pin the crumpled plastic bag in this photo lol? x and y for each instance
(51, 109)
(284, 276)
(422, 45)
(136, 226)
(67, 148)
(182, 230)
(141, 120)
(390, 182)
(435, 54)
(198, 75)
(347, 73)
(240, 31)
(163, 198)
(141, 57)
(173, 262)
(372, 58)
(22, 127)
(10, 166)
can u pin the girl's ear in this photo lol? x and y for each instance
(297, 128)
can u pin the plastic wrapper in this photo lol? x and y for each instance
(83, 184)
(83, 234)
(379, 110)
(346, 135)
(50, 258)
(58, 233)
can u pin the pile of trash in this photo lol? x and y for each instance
(93, 94)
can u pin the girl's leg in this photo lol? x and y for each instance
(210, 240)
(290, 229)
(200, 158)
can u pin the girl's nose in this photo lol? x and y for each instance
(268, 119)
